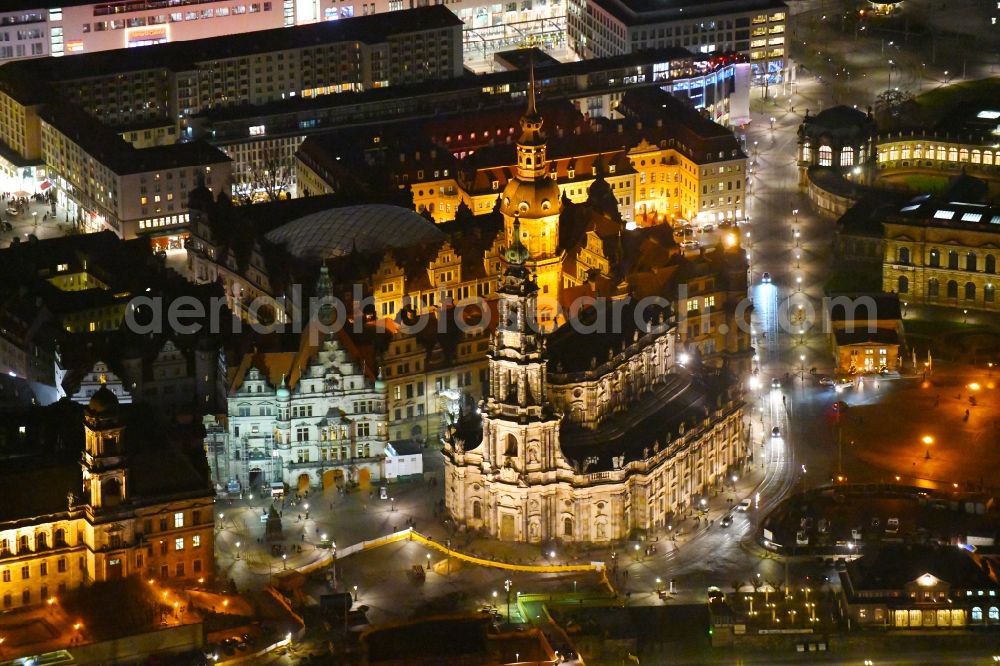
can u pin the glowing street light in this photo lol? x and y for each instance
(927, 440)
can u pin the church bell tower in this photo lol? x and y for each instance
(520, 427)
(531, 204)
(104, 472)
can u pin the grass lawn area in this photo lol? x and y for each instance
(850, 279)
(928, 328)
(935, 103)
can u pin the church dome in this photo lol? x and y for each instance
(103, 402)
(531, 199)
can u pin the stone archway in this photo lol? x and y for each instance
(333, 477)
(303, 482)
(364, 478)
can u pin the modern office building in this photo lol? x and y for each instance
(69, 122)
(34, 30)
(754, 28)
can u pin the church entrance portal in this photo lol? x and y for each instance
(507, 527)
(255, 479)
(303, 483)
(333, 477)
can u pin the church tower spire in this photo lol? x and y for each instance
(531, 159)
(531, 204)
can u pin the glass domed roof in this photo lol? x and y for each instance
(334, 232)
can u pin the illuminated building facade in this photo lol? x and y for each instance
(110, 513)
(754, 28)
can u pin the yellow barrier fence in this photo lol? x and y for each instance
(413, 535)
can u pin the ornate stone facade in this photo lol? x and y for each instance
(523, 472)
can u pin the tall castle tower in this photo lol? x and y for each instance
(520, 428)
(532, 198)
(104, 471)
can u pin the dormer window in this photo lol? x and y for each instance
(572, 173)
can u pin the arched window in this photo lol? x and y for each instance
(511, 449)
(994, 613)
(987, 157)
(953, 260)
(903, 284)
(970, 261)
(935, 258)
(952, 289)
(41, 541)
(806, 152)
(60, 538)
(933, 288)
(477, 510)
(989, 293)
(567, 527)
(847, 156)
(903, 255)
(22, 546)
(825, 156)
(977, 614)
(111, 492)
(970, 291)
(991, 264)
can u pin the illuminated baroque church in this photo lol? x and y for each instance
(590, 429)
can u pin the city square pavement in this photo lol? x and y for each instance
(357, 516)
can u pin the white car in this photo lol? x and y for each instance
(744, 505)
(689, 243)
(826, 381)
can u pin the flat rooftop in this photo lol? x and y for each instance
(639, 12)
(183, 56)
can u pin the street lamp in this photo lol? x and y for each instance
(237, 550)
(284, 561)
(429, 566)
(355, 593)
(802, 366)
(772, 122)
(889, 84)
(927, 440)
(506, 586)
(392, 503)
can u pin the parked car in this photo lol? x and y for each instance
(689, 243)
(766, 278)
(726, 521)
(707, 227)
(744, 504)
(826, 381)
